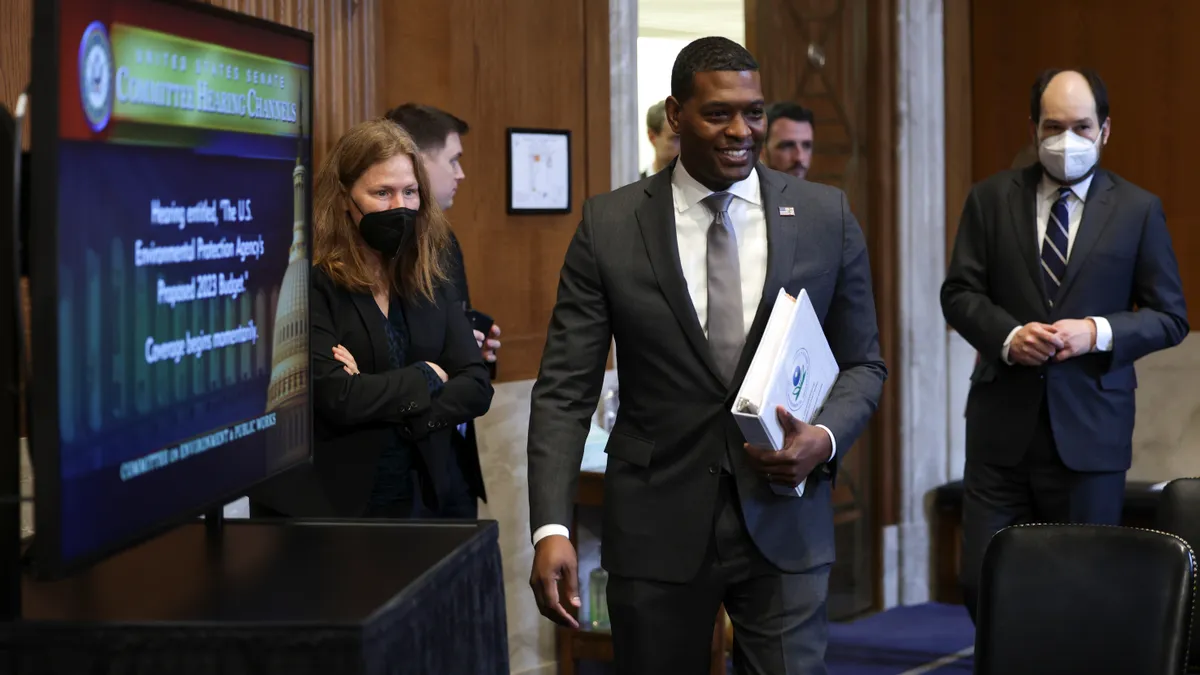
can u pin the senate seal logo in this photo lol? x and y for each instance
(96, 76)
(799, 375)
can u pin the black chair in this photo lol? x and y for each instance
(1068, 599)
(1179, 514)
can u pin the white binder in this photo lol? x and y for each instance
(794, 368)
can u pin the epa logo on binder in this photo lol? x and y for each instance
(799, 375)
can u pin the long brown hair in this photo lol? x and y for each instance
(338, 248)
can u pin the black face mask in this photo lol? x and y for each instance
(388, 232)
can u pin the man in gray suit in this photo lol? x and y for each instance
(682, 269)
(1062, 276)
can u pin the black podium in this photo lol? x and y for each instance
(327, 597)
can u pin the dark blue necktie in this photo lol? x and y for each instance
(1054, 247)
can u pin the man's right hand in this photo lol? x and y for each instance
(553, 561)
(1034, 344)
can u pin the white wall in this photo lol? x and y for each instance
(664, 28)
(690, 19)
(655, 56)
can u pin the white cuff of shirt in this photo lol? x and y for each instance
(832, 443)
(547, 530)
(1008, 344)
(1104, 336)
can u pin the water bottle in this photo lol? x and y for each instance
(611, 402)
(598, 599)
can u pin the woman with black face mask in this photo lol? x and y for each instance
(394, 360)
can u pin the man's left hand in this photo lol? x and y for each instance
(805, 447)
(1078, 335)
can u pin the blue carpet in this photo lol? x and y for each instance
(897, 641)
(901, 639)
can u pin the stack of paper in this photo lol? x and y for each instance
(793, 367)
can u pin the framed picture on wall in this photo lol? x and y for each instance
(539, 171)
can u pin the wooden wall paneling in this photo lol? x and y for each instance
(597, 95)
(957, 68)
(837, 57)
(365, 47)
(500, 65)
(598, 111)
(16, 32)
(1146, 52)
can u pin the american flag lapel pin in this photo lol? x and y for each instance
(787, 211)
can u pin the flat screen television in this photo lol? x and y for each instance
(169, 259)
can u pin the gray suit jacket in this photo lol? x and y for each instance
(622, 278)
(1122, 259)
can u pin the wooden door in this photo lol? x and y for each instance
(835, 57)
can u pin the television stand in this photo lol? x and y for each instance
(11, 357)
(214, 530)
(288, 597)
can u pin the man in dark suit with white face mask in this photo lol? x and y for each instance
(1062, 276)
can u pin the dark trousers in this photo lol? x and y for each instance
(1038, 489)
(779, 620)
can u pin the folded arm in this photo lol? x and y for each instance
(348, 400)
(467, 393)
(568, 385)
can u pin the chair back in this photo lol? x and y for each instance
(1064, 599)
(1179, 514)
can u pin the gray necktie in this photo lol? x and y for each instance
(726, 328)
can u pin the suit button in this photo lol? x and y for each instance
(432, 424)
(714, 469)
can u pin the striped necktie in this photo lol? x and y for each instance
(1054, 247)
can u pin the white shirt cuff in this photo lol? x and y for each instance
(832, 442)
(1008, 344)
(1104, 335)
(547, 530)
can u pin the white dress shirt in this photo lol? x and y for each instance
(692, 220)
(1047, 194)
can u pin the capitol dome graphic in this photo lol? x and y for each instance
(287, 393)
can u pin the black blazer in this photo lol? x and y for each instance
(466, 446)
(1122, 268)
(354, 415)
(457, 272)
(622, 279)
